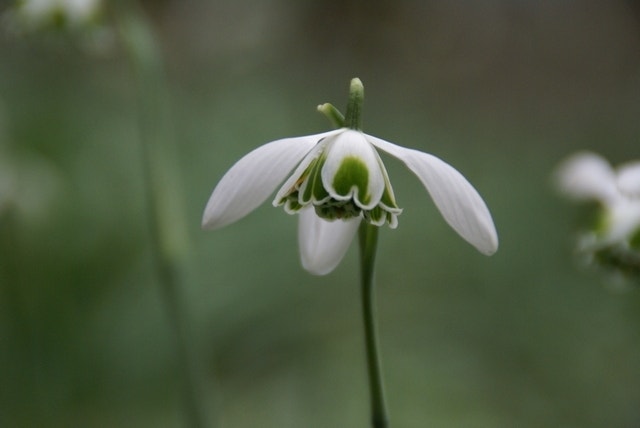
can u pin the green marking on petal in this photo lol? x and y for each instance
(310, 177)
(315, 181)
(319, 192)
(377, 216)
(387, 198)
(312, 187)
(353, 172)
(292, 205)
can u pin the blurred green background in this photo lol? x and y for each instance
(502, 90)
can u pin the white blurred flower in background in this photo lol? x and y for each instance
(83, 20)
(37, 14)
(614, 240)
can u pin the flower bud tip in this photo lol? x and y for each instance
(356, 85)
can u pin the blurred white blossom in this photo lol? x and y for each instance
(37, 14)
(614, 241)
(83, 20)
(588, 176)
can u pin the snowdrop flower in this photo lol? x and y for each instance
(35, 14)
(614, 242)
(588, 176)
(338, 181)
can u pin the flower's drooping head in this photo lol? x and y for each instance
(338, 181)
(342, 177)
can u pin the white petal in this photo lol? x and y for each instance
(588, 176)
(352, 144)
(323, 243)
(253, 178)
(456, 199)
(300, 169)
(629, 179)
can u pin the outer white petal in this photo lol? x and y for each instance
(253, 178)
(629, 179)
(323, 243)
(458, 201)
(586, 175)
(352, 144)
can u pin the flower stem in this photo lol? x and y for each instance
(166, 224)
(368, 238)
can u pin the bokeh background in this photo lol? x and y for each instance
(501, 89)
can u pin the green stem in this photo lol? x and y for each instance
(168, 238)
(368, 237)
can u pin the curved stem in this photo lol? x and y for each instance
(368, 237)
